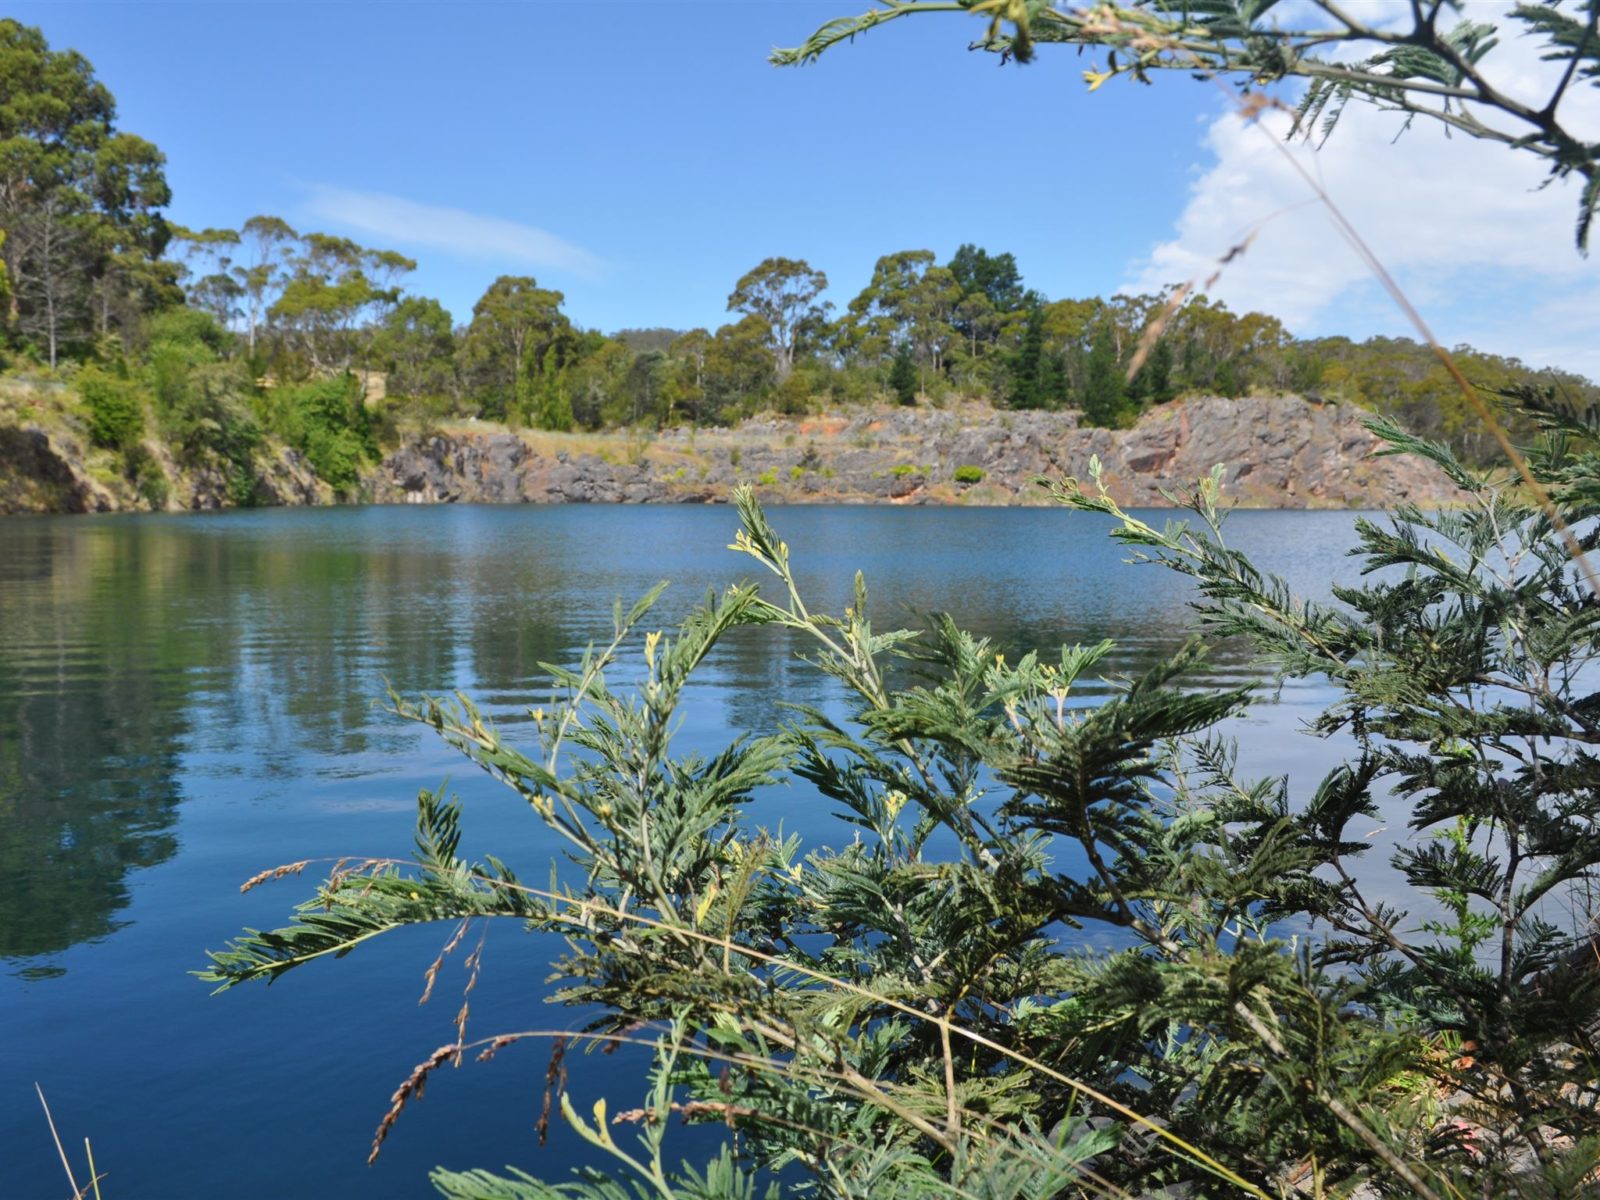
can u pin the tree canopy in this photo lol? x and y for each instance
(80, 201)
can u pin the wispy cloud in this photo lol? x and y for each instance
(405, 224)
(1466, 227)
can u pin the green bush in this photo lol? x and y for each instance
(901, 470)
(149, 479)
(968, 473)
(329, 423)
(903, 1011)
(115, 408)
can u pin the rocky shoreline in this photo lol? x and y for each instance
(1277, 452)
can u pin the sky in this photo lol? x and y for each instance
(641, 156)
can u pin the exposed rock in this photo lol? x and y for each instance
(1277, 452)
(50, 471)
(38, 473)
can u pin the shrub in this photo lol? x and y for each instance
(115, 408)
(903, 1012)
(901, 470)
(968, 473)
(329, 424)
(149, 480)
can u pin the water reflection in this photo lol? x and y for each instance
(259, 642)
(92, 714)
(184, 701)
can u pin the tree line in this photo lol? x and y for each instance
(211, 338)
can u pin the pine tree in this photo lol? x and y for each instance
(1025, 364)
(1104, 397)
(903, 375)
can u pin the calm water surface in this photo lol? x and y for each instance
(185, 700)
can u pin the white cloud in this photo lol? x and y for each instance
(406, 223)
(1464, 225)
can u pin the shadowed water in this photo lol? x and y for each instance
(187, 700)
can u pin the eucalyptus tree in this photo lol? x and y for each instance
(689, 351)
(908, 300)
(207, 272)
(991, 287)
(334, 295)
(783, 293)
(80, 201)
(416, 344)
(513, 323)
(266, 243)
(739, 368)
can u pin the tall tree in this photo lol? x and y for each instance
(689, 351)
(416, 345)
(993, 276)
(267, 243)
(903, 375)
(335, 294)
(738, 368)
(206, 257)
(782, 292)
(513, 324)
(79, 200)
(1104, 396)
(908, 299)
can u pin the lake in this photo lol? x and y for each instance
(186, 700)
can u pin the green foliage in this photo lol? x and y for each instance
(1028, 369)
(903, 376)
(115, 408)
(327, 421)
(154, 488)
(910, 1010)
(552, 397)
(1104, 398)
(781, 293)
(514, 325)
(80, 201)
(967, 473)
(1463, 670)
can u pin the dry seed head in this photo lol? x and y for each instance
(275, 873)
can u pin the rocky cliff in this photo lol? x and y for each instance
(1278, 452)
(49, 469)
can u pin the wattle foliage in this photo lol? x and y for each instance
(920, 1013)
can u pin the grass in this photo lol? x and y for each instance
(92, 1188)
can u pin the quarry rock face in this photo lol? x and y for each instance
(1276, 452)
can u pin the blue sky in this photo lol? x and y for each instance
(641, 156)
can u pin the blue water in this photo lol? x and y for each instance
(186, 700)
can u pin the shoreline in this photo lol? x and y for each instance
(1278, 452)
